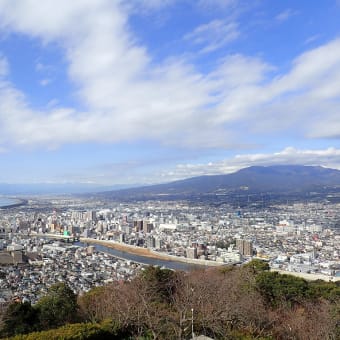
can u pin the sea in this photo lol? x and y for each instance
(5, 201)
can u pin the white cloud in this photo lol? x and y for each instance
(285, 15)
(129, 96)
(4, 67)
(114, 75)
(217, 4)
(312, 38)
(213, 35)
(325, 157)
(290, 103)
(45, 81)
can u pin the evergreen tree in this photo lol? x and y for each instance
(58, 307)
(19, 318)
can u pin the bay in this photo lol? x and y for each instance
(5, 201)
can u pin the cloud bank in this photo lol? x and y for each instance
(128, 96)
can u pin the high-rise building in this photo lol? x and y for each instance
(144, 226)
(91, 215)
(158, 243)
(245, 247)
(150, 242)
(147, 227)
(191, 253)
(138, 225)
(122, 238)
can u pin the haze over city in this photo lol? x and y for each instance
(134, 92)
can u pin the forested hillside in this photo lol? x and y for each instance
(224, 303)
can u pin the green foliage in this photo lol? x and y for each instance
(223, 244)
(278, 289)
(327, 290)
(257, 266)
(155, 274)
(80, 331)
(160, 281)
(19, 318)
(58, 307)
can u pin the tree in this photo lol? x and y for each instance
(280, 289)
(220, 302)
(161, 282)
(93, 304)
(257, 265)
(19, 318)
(153, 291)
(308, 321)
(229, 303)
(58, 307)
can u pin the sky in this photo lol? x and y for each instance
(149, 91)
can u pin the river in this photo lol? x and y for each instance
(142, 259)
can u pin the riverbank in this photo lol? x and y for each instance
(148, 253)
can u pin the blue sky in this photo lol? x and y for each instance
(149, 91)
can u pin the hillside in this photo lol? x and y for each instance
(240, 303)
(255, 179)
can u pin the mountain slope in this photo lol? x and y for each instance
(279, 178)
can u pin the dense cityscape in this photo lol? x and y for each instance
(37, 248)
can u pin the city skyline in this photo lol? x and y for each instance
(139, 92)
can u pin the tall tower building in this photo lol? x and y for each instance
(245, 247)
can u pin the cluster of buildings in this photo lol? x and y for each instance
(42, 262)
(299, 238)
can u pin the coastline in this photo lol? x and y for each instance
(19, 202)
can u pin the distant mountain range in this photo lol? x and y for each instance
(279, 179)
(254, 179)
